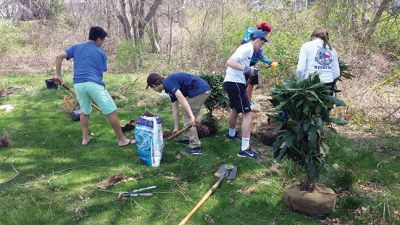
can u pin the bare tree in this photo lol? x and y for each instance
(25, 10)
(372, 26)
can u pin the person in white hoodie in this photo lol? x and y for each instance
(317, 55)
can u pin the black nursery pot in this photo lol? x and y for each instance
(51, 83)
(76, 114)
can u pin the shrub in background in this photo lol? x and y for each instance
(127, 55)
(218, 97)
(11, 36)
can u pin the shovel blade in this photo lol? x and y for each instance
(227, 170)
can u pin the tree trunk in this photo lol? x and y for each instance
(153, 36)
(383, 6)
(170, 34)
(152, 10)
(141, 23)
(123, 18)
(365, 17)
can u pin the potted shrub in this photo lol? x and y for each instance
(303, 106)
(217, 99)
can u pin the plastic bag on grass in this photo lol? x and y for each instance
(149, 140)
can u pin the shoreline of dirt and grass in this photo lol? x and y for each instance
(57, 176)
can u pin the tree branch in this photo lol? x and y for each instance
(152, 10)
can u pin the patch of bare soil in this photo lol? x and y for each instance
(112, 181)
(9, 91)
(247, 190)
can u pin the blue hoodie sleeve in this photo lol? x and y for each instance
(247, 35)
(260, 56)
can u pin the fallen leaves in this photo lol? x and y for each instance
(208, 219)
(247, 190)
(112, 181)
(335, 221)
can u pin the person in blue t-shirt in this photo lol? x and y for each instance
(190, 92)
(90, 61)
(258, 55)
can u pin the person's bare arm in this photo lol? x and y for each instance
(59, 58)
(234, 65)
(175, 116)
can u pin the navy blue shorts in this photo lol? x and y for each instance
(253, 79)
(237, 97)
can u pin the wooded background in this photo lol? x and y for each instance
(200, 35)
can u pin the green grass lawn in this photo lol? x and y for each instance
(58, 176)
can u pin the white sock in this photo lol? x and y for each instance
(231, 132)
(245, 143)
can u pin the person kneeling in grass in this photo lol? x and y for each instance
(190, 92)
(90, 61)
(235, 85)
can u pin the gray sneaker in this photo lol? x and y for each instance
(234, 138)
(183, 141)
(250, 153)
(193, 151)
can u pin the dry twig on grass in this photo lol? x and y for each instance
(11, 178)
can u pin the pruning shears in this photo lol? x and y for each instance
(134, 193)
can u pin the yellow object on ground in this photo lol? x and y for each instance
(274, 66)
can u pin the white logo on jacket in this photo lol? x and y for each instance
(323, 58)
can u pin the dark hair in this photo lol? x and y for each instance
(97, 32)
(323, 35)
(154, 79)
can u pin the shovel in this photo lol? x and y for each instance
(225, 171)
(179, 133)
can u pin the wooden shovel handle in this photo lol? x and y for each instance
(68, 88)
(205, 197)
(179, 133)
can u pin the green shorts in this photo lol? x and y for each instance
(89, 91)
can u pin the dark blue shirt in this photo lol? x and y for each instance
(189, 84)
(90, 61)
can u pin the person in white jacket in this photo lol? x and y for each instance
(317, 55)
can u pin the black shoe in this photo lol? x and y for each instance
(193, 151)
(234, 138)
(250, 153)
(183, 141)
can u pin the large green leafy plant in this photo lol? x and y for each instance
(303, 106)
(218, 97)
